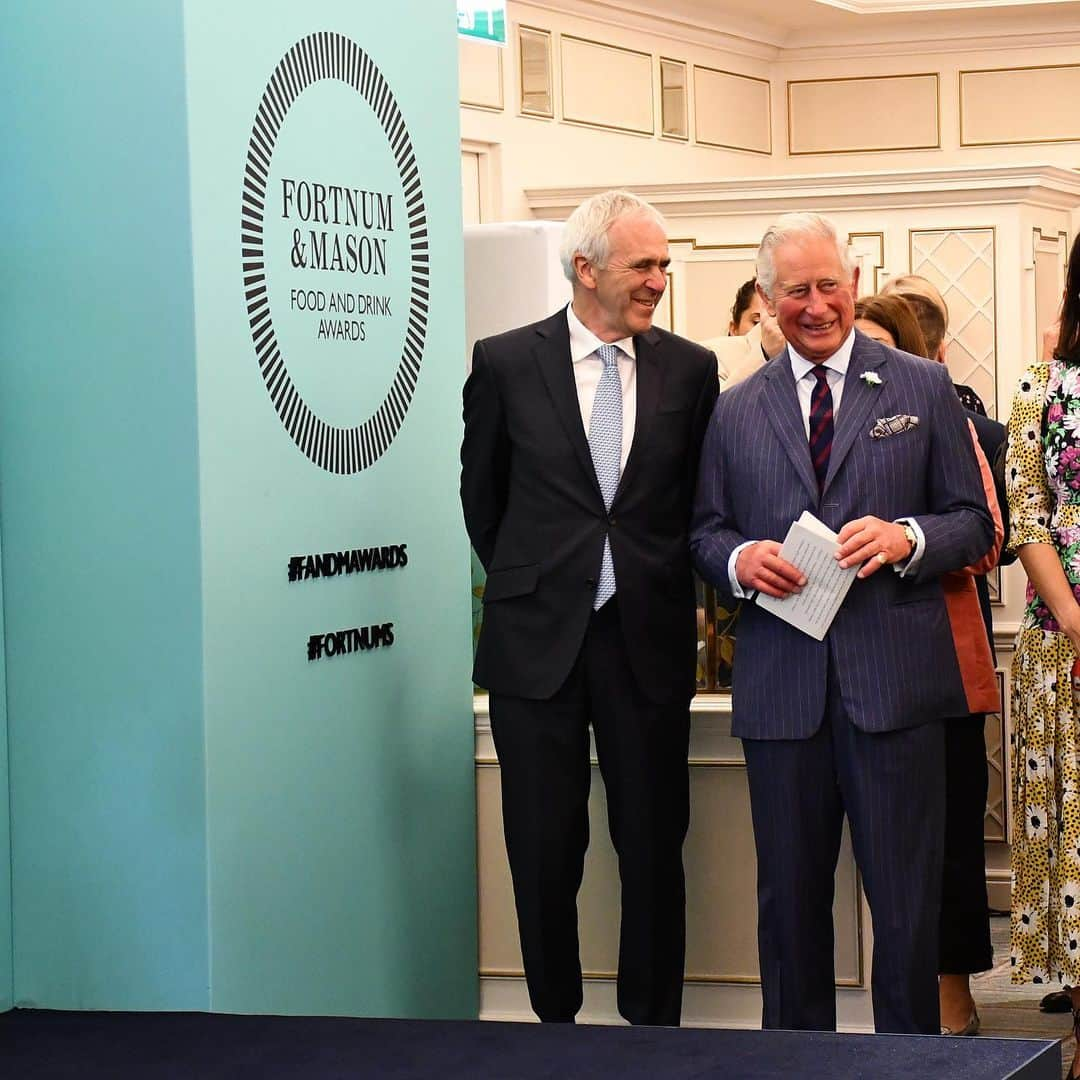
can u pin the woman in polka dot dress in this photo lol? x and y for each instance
(1043, 480)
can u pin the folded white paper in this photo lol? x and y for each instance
(810, 545)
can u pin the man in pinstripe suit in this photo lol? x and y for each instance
(851, 724)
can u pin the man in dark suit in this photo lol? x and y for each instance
(578, 467)
(872, 441)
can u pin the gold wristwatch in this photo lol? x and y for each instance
(912, 538)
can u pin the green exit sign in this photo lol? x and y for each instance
(484, 19)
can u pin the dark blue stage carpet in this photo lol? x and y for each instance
(148, 1046)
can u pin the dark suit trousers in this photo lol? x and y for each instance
(965, 918)
(891, 786)
(543, 749)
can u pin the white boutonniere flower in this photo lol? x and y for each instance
(871, 378)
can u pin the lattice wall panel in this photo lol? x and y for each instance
(996, 821)
(960, 262)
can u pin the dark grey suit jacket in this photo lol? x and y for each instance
(534, 511)
(890, 643)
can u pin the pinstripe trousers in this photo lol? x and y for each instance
(891, 787)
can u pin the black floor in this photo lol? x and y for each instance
(88, 1045)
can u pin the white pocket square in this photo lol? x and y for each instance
(885, 426)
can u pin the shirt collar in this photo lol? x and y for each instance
(583, 342)
(838, 362)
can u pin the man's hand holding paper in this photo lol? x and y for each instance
(760, 567)
(811, 546)
(872, 542)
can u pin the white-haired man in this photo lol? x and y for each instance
(578, 466)
(874, 443)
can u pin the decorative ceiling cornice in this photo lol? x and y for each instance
(903, 7)
(911, 42)
(1031, 185)
(950, 28)
(758, 42)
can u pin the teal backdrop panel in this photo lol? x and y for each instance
(7, 987)
(325, 200)
(99, 509)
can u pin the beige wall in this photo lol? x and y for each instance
(581, 145)
(847, 108)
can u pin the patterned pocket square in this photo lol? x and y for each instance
(885, 426)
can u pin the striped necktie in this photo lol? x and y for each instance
(821, 425)
(605, 445)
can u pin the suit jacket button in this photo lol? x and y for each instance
(590, 583)
(611, 522)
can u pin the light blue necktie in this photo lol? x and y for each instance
(605, 445)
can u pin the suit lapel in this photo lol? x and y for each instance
(649, 383)
(857, 401)
(553, 358)
(780, 403)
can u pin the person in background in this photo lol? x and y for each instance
(1043, 479)
(747, 311)
(965, 946)
(890, 320)
(1057, 1001)
(578, 468)
(873, 442)
(753, 337)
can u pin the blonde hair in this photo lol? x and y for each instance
(927, 303)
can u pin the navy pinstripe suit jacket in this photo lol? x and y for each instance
(890, 642)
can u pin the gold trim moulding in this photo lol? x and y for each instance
(651, 132)
(1062, 239)
(935, 75)
(501, 107)
(662, 60)
(878, 266)
(1059, 235)
(768, 113)
(596, 126)
(729, 146)
(992, 71)
(695, 246)
(536, 114)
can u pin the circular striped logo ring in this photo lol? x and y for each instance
(325, 55)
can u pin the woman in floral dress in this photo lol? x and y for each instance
(1043, 479)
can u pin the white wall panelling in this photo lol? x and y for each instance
(960, 262)
(1030, 104)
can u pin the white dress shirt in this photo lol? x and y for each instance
(587, 370)
(835, 373)
(802, 371)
